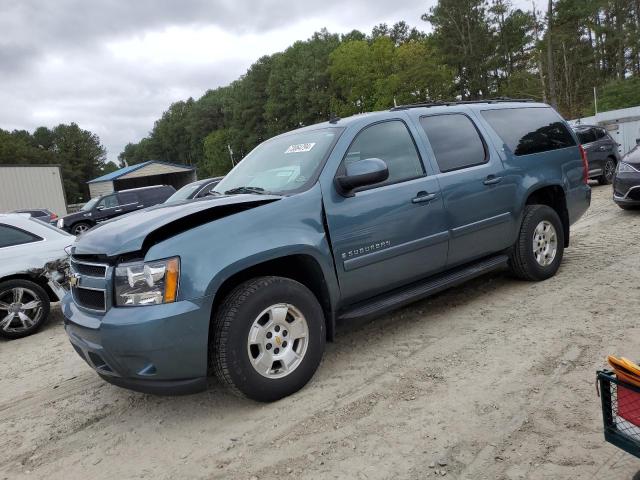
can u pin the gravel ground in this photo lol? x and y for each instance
(494, 379)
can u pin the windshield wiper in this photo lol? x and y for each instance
(257, 190)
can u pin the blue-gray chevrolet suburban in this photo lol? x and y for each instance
(336, 221)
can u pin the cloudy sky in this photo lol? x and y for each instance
(113, 66)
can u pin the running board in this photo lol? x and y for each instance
(425, 288)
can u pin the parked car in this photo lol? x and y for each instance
(341, 220)
(602, 152)
(199, 189)
(42, 214)
(33, 262)
(626, 184)
(113, 205)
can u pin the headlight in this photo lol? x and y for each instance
(626, 168)
(60, 223)
(147, 283)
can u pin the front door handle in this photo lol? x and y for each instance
(118, 210)
(423, 197)
(492, 180)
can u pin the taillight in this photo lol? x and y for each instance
(585, 164)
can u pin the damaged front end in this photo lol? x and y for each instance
(56, 273)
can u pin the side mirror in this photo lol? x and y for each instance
(362, 173)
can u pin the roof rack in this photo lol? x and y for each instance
(460, 102)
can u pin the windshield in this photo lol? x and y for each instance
(282, 164)
(183, 193)
(90, 204)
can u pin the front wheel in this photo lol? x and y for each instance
(268, 338)
(538, 250)
(79, 228)
(24, 308)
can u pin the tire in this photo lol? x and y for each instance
(522, 259)
(258, 307)
(609, 170)
(629, 207)
(80, 228)
(18, 326)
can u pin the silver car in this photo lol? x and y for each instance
(33, 266)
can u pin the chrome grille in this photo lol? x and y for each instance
(89, 285)
(90, 269)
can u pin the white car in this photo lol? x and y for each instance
(33, 262)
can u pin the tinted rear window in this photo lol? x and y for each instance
(10, 236)
(529, 130)
(586, 135)
(455, 141)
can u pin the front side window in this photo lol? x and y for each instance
(11, 236)
(284, 164)
(108, 202)
(455, 141)
(530, 129)
(391, 142)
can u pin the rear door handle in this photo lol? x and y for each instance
(491, 180)
(423, 197)
(118, 210)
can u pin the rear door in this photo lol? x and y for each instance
(128, 202)
(477, 197)
(595, 155)
(388, 234)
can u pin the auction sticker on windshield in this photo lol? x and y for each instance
(299, 148)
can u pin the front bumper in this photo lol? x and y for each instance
(626, 188)
(158, 349)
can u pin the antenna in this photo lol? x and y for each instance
(333, 118)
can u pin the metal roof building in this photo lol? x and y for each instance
(153, 172)
(32, 186)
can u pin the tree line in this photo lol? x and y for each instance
(475, 49)
(79, 153)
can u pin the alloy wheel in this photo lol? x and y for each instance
(20, 309)
(545, 243)
(278, 340)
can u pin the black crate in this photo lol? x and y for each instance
(620, 412)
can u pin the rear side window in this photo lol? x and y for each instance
(600, 133)
(10, 236)
(127, 197)
(455, 141)
(586, 135)
(529, 130)
(391, 142)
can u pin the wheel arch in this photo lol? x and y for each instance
(38, 280)
(555, 197)
(301, 267)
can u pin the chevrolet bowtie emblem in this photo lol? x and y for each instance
(74, 280)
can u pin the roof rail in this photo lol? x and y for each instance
(460, 102)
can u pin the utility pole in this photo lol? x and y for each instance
(550, 67)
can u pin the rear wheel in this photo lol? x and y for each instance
(24, 308)
(537, 253)
(268, 338)
(80, 227)
(608, 172)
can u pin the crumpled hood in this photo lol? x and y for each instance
(136, 231)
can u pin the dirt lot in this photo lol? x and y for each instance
(494, 379)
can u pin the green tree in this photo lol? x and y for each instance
(217, 158)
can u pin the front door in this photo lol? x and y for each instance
(391, 233)
(107, 208)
